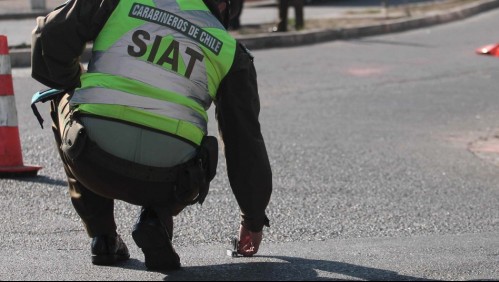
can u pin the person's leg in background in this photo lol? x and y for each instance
(235, 22)
(299, 19)
(283, 16)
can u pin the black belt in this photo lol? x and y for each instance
(93, 153)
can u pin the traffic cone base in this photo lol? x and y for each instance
(492, 50)
(19, 171)
(11, 162)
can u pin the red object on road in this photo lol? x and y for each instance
(11, 161)
(492, 50)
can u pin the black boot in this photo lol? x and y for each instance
(152, 237)
(108, 250)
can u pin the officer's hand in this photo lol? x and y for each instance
(249, 242)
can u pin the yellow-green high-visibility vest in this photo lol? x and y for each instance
(158, 64)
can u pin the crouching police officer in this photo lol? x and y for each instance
(134, 126)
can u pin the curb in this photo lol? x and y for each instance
(22, 57)
(263, 41)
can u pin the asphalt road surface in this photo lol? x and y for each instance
(373, 179)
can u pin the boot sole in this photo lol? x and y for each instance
(108, 259)
(157, 248)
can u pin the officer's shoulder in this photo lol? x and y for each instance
(246, 50)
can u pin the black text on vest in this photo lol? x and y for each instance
(170, 56)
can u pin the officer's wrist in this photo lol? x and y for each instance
(255, 224)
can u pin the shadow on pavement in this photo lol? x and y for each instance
(36, 179)
(290, 269)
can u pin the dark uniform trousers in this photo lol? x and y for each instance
(94, 186)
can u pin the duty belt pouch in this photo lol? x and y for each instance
(209, 156)
(74, 139)
(191, 181)
(194, 181)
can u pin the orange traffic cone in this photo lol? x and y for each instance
(11, 161)
(492, 49)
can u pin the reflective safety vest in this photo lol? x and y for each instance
(157, 64)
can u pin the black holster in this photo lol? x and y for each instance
(194, 182)
(74, 139)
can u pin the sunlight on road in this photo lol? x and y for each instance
(21, 72)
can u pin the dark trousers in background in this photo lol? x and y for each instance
(237, 10)
(283, 14)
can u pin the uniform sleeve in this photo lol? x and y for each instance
(59, 39)
(248, 167)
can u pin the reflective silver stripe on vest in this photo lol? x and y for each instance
(113, 63)
(133, 68)
(8, 113)
(98, 95)
(153, 74)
